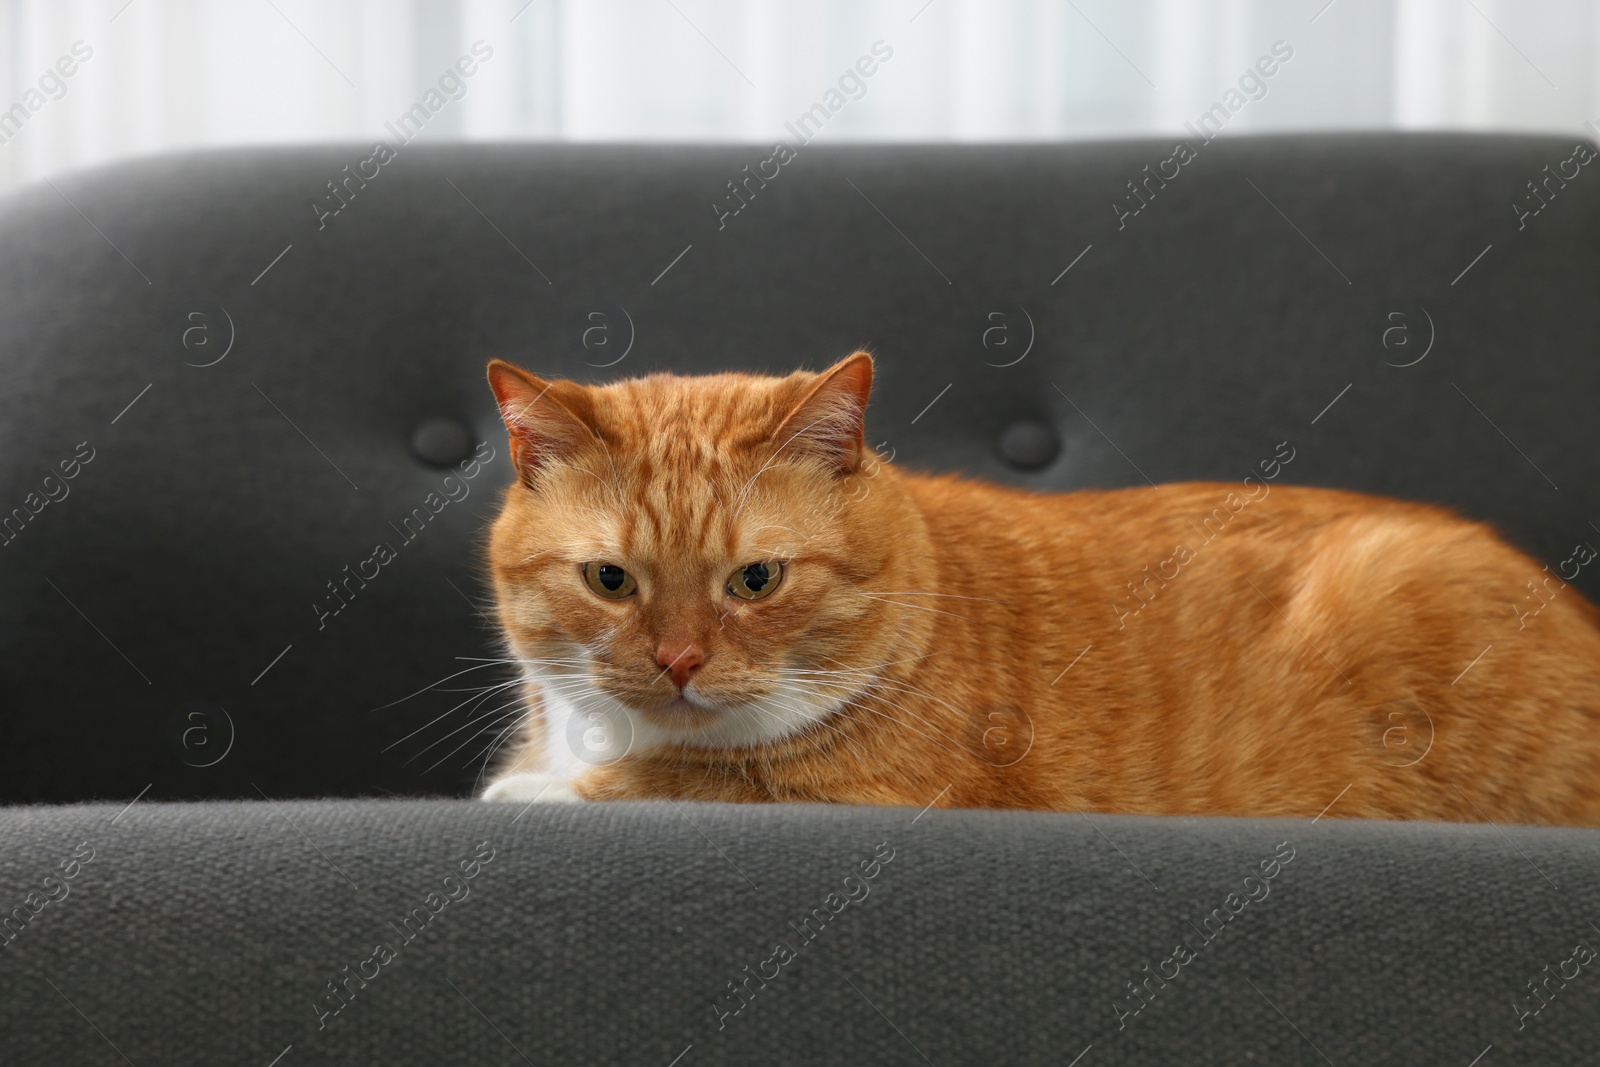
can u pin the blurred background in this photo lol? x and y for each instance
(164, 75)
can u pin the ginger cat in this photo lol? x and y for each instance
(716, 592)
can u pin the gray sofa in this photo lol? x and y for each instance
(235, 830)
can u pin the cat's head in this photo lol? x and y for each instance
(693, 555)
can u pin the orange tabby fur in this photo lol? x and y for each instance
(1307, 640)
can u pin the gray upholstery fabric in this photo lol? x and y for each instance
(158, 635)
(219, 506)
(204, 934)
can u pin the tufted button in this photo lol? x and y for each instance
(441, 442)
(1028, 445)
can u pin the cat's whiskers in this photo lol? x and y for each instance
(444, 714)
(556, 665)
(491, 714)
(574, 689)
(616, 493)
(801, 709)
(854, 679)
(481, 696)
(487, 755)
(870, 670)
(878, 688)
(424, 689)
(483, 758)
(745, 493)
(917, 607)
(937, 739)
(874, 674)
(853, 684)
(912, 592)
(911, 690)
(911, 687)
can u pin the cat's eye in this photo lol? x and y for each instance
(609, 580)
(755, 580)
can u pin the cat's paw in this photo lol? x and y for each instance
(530, 786)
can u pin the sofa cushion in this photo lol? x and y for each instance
(601, 934)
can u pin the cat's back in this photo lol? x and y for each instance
(1214, 542)
(1143, 518)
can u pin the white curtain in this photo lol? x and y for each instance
(166, 75)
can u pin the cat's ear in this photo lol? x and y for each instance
(829, 418)
(546, 421)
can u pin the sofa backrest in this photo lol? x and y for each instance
(258, 366)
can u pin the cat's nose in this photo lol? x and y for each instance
(680, 659)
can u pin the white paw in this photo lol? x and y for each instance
(530, 786)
